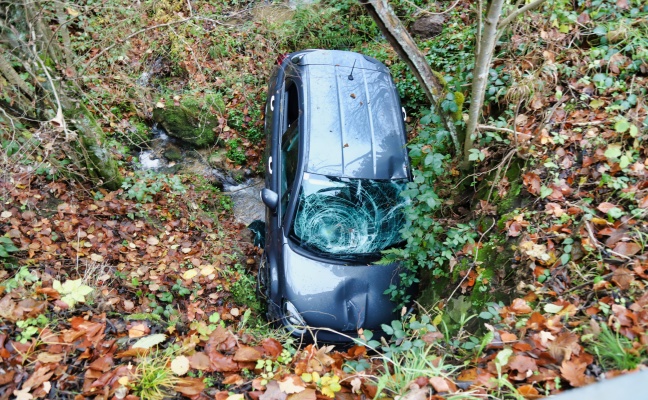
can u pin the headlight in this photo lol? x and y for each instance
(293, 319)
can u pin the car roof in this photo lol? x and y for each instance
(353, 117)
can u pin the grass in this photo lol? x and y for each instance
(615, 351)
(154, 380)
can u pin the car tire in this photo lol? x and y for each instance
(263, 290)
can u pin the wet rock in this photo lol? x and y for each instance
(172, 153)
(238, 175)
(218, 159)
(428, 26)
(190, 119)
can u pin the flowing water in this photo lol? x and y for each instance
(245, 194)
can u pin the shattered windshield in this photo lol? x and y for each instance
(344, 216)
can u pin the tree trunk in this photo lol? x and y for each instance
(480, 74)
(26, 36)
(100, 165)
(407, 50)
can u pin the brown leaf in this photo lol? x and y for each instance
(247, 353)
(102, 364)
(583, 18)
(563, 346)
(190, 386)
(605, 207)
(7, 377)
(439, 384)
(532, 182)
(623, 277)
(574, 373)
(272, 347)
(627, 248)
(519, 306)
(200, 361)
(416, 393)
(522, 364)
(49, 358)
(622, 4)
(432, 337)
(291, 384)
(529, 392)
(273, 392)
(307, 394)
(515, 229)
(39, 376)
(221, 363)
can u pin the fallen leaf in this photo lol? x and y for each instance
(190, 274)
(528, 391)
(291, 384)
(190, 387)
(23, 394)
(246, 354)
(522, 363)
(439, 384)
(149, 341)
(272, 347)
(627, 248)
(574, 373)
(180, 365)
(222, 363)
(306, 394)
(49, 358)
(273, 392)
(519, 306)
(199, 361)
(532, 182)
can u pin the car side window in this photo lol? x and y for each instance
(289, 143)
(289, 160)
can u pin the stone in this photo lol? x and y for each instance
(192, 120)
(218, 159)
(428, 26)
(172, 153)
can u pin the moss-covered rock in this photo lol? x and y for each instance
(192, 119)
(172, 153)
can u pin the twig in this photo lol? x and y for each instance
(517, 12)
(423, 11)
(130, 36)
(496, 129)
(582, 285)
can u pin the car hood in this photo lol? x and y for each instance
(340, 297)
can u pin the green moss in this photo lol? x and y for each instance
(459, 101)
(193, 120)
(173, 154)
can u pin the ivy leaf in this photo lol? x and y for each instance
(622, 125)
(72, 291)
(545, 191)
(613, 151)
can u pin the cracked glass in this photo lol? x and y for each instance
(345, 216)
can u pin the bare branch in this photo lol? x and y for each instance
(119, 41)
(517, 12)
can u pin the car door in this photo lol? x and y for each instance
(282, 138)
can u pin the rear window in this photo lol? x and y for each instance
(346, 217)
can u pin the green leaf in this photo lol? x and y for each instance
(613, 151)
(485, 315)
(552, 308)
(596, 103)
(72, 291)
(622, 125)
(634, 131)
(545, 191)
(149, 341)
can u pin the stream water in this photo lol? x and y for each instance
(168, 155)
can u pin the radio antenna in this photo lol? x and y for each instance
(351, 74)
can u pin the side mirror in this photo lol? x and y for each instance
(270, 199)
